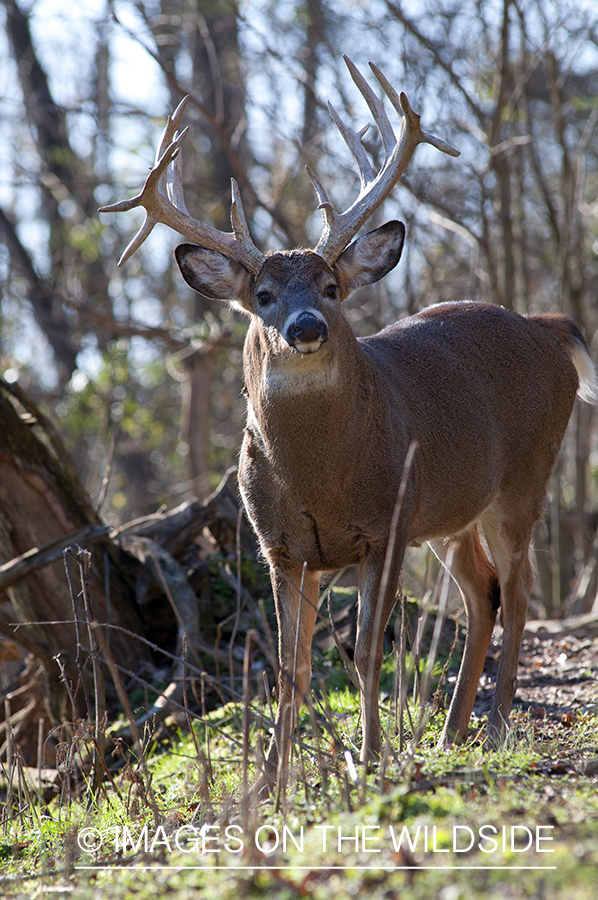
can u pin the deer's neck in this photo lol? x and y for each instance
(299, 400)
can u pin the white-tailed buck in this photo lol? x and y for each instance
(476, 396)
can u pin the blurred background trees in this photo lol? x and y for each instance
(140, 376)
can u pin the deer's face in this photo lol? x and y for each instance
(295, 298)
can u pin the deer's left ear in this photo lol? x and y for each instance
(371, 257)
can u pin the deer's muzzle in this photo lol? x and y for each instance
(306, 333)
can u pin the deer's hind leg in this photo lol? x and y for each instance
(477, 580)
(509, 541)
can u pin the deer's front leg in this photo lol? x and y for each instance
(377, 595)
(296, 595)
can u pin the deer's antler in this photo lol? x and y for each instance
(163, 201)
(340, 228)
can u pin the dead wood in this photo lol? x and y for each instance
(586, 624)
(161, 571)
(37, 558)
(45, 513)
(43, 507)
(219, 513)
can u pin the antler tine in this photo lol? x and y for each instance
(340, 228)
(403, 107)
(163, 200)
(171, 129)
(237, 214)
(353, 141)
(174, 172)
(324, 202)
(151, 198)
(376, 107)
(174, 184)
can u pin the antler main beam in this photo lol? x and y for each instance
(163, 200)
(340, 228)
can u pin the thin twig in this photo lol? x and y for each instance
(238, 586)
(389, 561)
(83, 557)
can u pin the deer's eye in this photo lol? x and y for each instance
(331, 290)
(263, 297)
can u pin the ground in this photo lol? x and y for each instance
(450, 805)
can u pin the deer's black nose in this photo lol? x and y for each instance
(306, 329)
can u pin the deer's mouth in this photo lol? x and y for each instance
(304, 347)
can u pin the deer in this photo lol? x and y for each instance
(442, 428)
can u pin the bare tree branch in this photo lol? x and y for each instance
(46, 307)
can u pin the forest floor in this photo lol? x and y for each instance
(427, 825)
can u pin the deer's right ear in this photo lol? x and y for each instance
(214, 275)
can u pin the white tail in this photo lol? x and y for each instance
(588, 383)
(482, 394)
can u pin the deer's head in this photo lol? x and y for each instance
(295, 297)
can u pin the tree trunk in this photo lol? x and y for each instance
(195, 419)
(63, 175)
(41, 500)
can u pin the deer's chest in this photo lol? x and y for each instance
(299, 519)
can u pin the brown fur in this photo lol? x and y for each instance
(484, 394)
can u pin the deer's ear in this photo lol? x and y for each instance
(371, 257)
(214, 275)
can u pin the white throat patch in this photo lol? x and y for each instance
(299, 374)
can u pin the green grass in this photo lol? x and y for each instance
(429, 797)
(173, 817)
